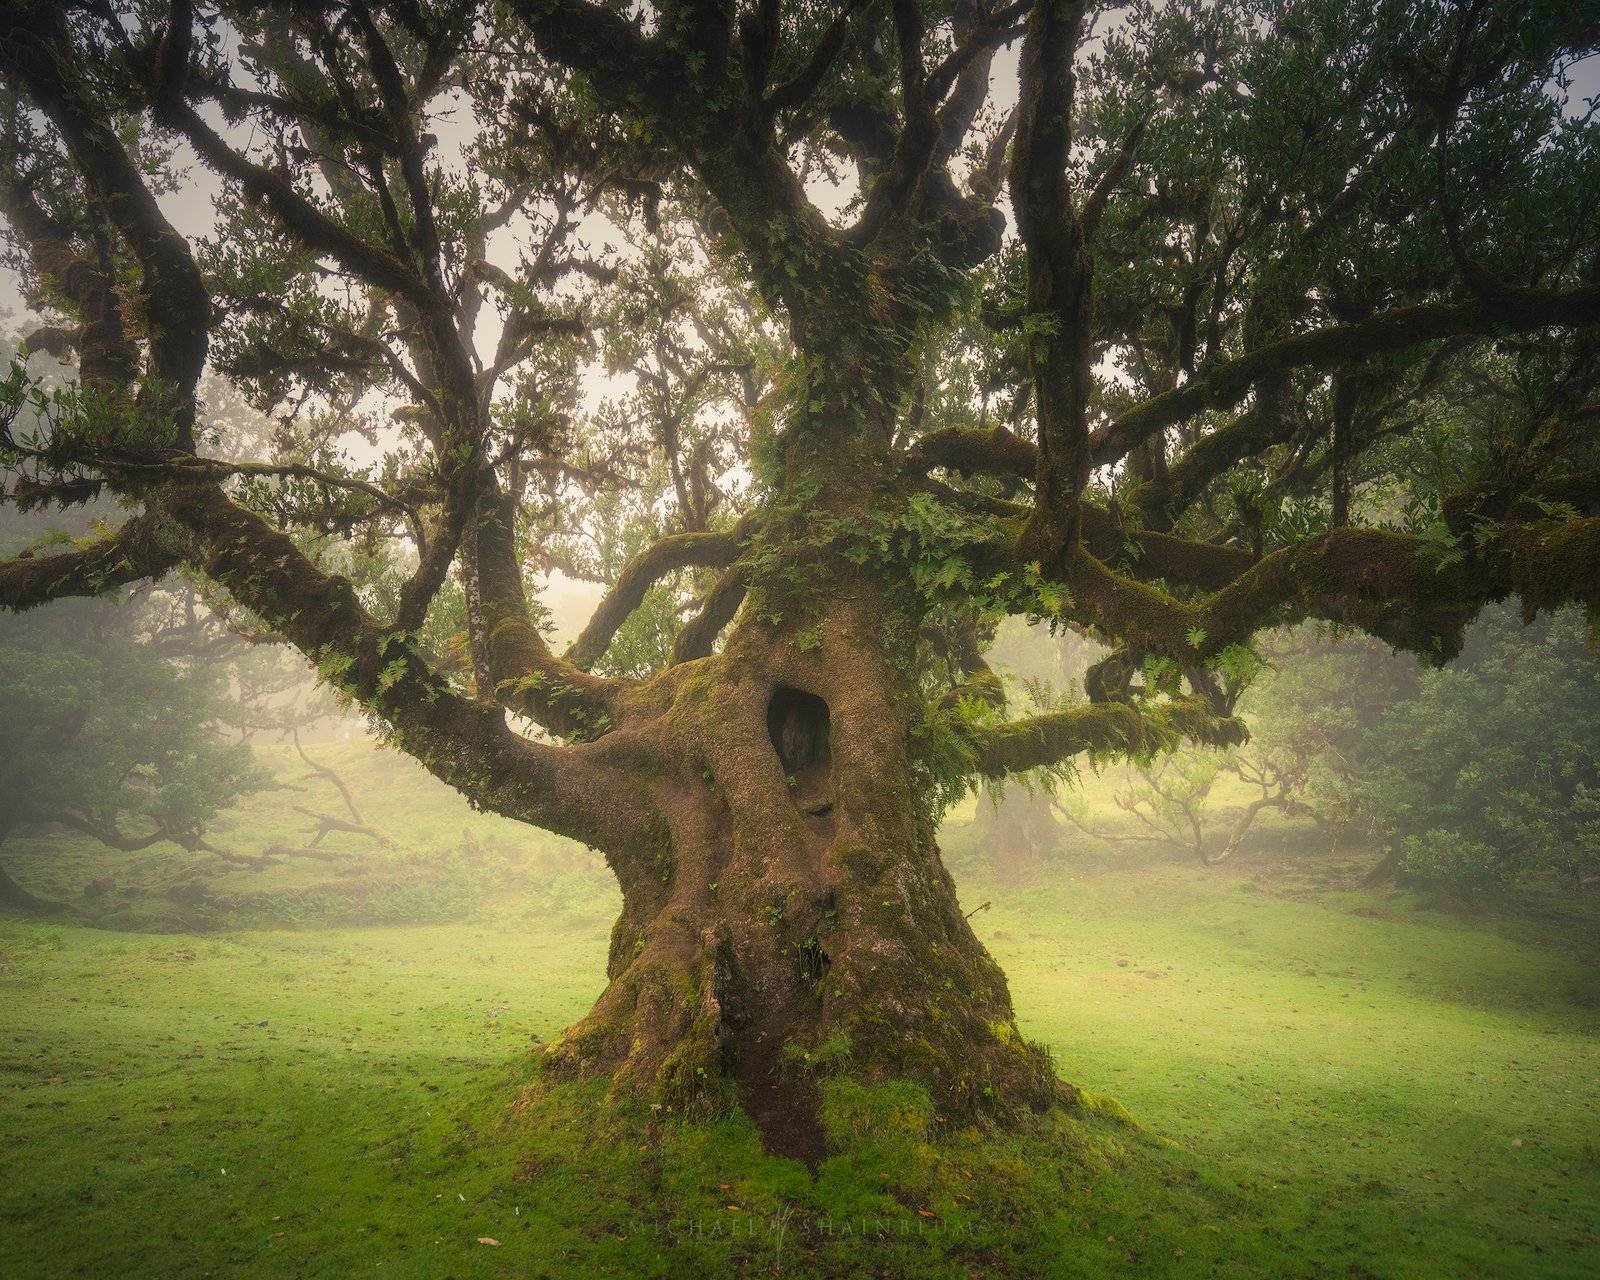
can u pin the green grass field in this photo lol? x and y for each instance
(1329, 1084)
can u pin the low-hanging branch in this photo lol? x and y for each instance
(1098, 729)
(327, 774)
(327, 824)
(142, 548)
(113, 837)
(1400, 587)
(462, 741)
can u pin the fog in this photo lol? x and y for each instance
(854, 640)
(351, 952)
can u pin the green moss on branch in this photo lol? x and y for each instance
(1099, 729)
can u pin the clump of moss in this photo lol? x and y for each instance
(828, 1056)
(1103, 1104)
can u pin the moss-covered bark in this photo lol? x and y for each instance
(793, 916)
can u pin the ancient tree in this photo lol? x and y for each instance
(1243, 313)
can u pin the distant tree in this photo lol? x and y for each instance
(1312, 710)
(1312, 700)
(107, 736)
(1015, 829)
(1476, 778)
(1488, 780)
(1015, 825)
(1167, 797)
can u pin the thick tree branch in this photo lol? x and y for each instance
(465, 743)
(514, 664)
(971, 451)
(1059, 275)
(699, 634)
(978, 38)
(1098, 729)
(663, 556)
(799, 88)
(999, 452)
(313, 228)
(37, 51)
(108, 834)
(142, 548)
(85, 277)
(731, 145)
(892, 193)
(1392, 585)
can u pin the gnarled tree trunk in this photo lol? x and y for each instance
(795, 911)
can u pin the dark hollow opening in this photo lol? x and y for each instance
(814, 961)
(797, 723)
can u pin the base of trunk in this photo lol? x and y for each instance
(758, 1000)
(909, 1189)
(1386, 869)
(784, 1106)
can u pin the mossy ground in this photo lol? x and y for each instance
(1328, 1083)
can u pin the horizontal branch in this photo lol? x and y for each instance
(142, 548)
(972, 451)
(1521, 311)
(1402, 588)
(108, 834)
(1184, 562)
(999, 452)
(1099, 729)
